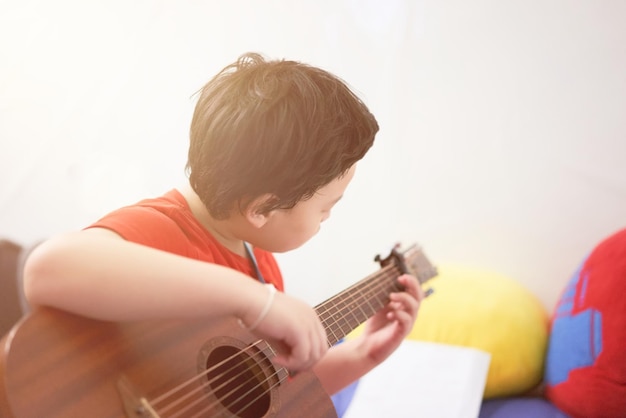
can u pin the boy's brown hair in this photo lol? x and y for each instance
(280, 127)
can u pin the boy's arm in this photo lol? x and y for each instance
(95, 273)
(342, 365)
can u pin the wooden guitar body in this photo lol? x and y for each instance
(55, 364)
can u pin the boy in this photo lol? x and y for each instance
(273, 146)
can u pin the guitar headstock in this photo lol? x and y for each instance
(411, 260)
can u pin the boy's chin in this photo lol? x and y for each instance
(279, 248)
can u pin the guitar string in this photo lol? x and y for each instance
(234, 391)
(190, 381)
(363, 284)
(223, 384)
(367, 287)
(327, 313)
(366, 296)
(376, 289)
(169, 393)
(256, 377)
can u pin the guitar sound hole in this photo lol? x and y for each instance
(241, 381)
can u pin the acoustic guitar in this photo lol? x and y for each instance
(56, 364)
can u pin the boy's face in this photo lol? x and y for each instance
(287, 229)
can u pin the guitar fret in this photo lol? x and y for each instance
(368, 303)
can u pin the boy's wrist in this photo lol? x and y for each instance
(252, 300)
(266, 308)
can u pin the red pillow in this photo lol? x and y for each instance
(586, 363)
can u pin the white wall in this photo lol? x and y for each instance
(502, 142)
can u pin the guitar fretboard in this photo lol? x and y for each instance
(344, 312)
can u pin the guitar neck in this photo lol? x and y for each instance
(344, 312)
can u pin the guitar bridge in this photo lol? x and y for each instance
(136, 406)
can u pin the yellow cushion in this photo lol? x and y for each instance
(491, 312)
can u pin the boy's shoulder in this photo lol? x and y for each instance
(164, 222)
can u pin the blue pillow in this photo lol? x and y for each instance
(342, 399)
(519, 408)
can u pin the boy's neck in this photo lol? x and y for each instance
(220, 229)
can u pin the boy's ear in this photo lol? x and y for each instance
(256, 213)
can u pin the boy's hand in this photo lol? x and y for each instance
(294, 330)
(387, 329)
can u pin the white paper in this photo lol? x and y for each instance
(422, 379)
